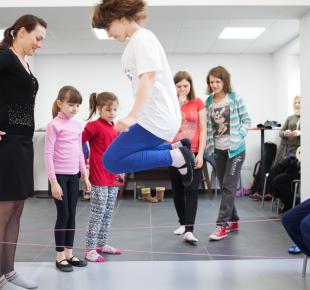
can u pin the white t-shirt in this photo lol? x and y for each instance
(161, 114)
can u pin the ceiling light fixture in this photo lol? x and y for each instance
(241, 32)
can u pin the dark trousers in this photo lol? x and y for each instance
(228, 172)
(297, 223)
(185, 198)
(283, 188)
(66, 209)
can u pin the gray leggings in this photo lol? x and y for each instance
(101, 209)
(228, 173)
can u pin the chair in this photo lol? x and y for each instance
(304, 266)
(296, 185)
(264, 189)
(208, 160)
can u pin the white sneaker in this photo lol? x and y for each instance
(190, 238)
(180, 230)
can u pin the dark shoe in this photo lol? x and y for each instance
(78, 263)
(294, 250)
(189, 164)
(64, 267)
(186, 143)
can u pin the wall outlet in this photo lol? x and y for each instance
(247, 167)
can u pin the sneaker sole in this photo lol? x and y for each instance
(215, 238)
(230, 231)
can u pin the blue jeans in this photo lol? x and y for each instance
(136, 150)
(297, 223)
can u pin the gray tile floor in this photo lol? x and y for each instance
(144, 232)
(153, 258)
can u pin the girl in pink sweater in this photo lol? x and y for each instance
(64, 160)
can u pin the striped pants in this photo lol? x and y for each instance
(101, 209)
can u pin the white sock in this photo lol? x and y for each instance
(178, 160)
(15, 279)
(176, 145)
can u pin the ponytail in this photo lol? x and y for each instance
(55, 109)
(92, 105)
(7, 37)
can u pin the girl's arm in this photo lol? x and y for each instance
(202, 137)
(145, 87)
(83, 167)
(245, 119)
(49, 148)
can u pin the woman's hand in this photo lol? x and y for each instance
(198, 161)
(287, 133)
(87, 184)
(123, 125)
(2, 134)
(56, 190)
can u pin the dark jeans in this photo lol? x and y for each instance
(228, 172)
(297, 224)
(66, 209)
(185, 198)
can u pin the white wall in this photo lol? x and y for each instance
(252, 78)
(305, 95)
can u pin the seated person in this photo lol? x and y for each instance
(297, 224)
(281, 176)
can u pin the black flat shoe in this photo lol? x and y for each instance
(189, 164)
(64, 267)
(78, 263)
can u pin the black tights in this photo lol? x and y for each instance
(10, 213)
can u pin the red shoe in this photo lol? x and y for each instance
(219, 233)
(232, 226)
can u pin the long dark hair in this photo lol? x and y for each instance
(69, 94)
(100, 100)
(28, 21)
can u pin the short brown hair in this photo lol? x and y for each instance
(110, 10)
(184, 75)
(220, 73)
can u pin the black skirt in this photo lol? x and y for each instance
(16, 167)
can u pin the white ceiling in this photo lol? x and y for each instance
(181, 29)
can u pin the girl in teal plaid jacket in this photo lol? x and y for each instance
(227, 125)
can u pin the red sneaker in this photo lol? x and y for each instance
(219, 233)
(232, 226)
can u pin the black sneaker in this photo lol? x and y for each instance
(186, 143)
(64, 267)
(189, 164)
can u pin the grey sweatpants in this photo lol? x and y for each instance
(228, 173)
(101, 209)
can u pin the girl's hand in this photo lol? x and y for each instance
(198, 161)
(87, 184)
(56, 190)
(124, 124)
(2, 134)
(182, 98)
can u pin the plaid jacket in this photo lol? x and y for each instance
(240, 122)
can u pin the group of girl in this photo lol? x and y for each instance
(166, 125)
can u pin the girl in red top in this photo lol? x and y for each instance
(192, 134)
(100, 134)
